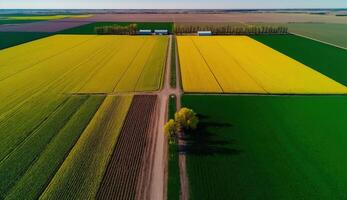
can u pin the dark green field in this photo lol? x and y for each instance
(5, 21)
(173, 182)
(9, 39)
(268, 147)
(90, 28)
(330, 61)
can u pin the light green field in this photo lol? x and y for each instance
(40, 156)
(331, 33)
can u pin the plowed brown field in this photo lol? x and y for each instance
(127, 169)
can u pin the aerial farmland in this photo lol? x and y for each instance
(173, 104)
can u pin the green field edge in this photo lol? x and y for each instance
(173, 179)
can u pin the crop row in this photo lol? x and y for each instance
(81, 173)
(30, 167)
(126, 168)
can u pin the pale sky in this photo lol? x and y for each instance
(171, 4)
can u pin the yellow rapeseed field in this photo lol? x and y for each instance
(239, 64)
(108, 63)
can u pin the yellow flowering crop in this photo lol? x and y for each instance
(239, 64)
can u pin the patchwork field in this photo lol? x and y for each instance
(82, 171)
(90, 28)
(239, 64)
(58, 126)
(81, 114)
(267, 147)
(324, 58)
(29, 167)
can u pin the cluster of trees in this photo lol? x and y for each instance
(231, 29)
(185, 119)
(130, 29)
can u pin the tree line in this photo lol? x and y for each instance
(231, 29)
(130, 29)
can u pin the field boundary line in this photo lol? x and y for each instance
(184, 181)
(263, 94)
(241, 67)
(103, 63)
(209, 67)
(163, 74)
(317, 40)
(129, 65)
(144, 65)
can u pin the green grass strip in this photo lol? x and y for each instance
(173, 63)
(37, 177)
(152, 75)
(21, 158)
(81, 173)
(172, 106)
(174, 181)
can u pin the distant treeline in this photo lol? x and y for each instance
(230, 29)
(130, 29)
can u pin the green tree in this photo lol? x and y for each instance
(171, 129)
(187, 118)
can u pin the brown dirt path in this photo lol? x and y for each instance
(159, 171)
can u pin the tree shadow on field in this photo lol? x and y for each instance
(204, 141)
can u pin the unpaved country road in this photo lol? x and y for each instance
(182, 157)
(158, 180)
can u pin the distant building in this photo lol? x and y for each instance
(204, 33)
(161, 32)
(145, 32)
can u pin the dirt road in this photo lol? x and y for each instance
(158, 181)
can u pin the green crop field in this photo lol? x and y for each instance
(332, 33)
(173, 182)
(82, 171)
(90, 28)
(9, 39)
(268, 147)
(330, 61)
(40, 156)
